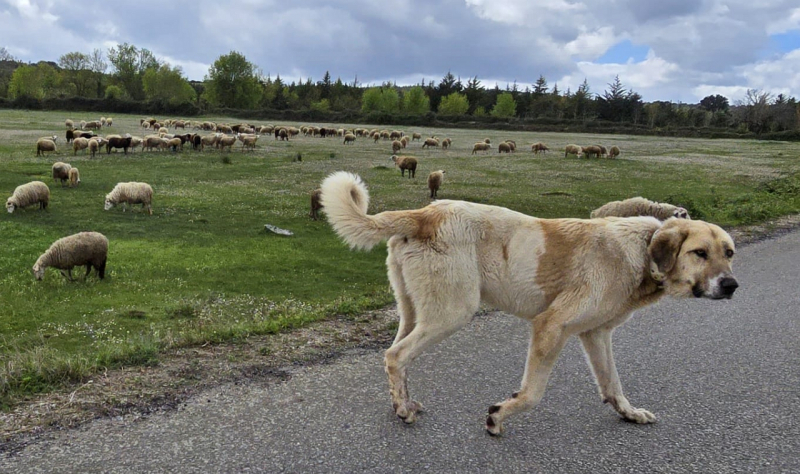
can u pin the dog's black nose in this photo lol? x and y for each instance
(728, 285)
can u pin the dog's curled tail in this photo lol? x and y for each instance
(345, 199)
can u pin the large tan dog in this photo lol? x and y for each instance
(566, 276)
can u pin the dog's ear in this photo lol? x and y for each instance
(663, 250)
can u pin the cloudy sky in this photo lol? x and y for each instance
(679, 50)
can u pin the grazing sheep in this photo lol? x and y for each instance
(136, 142)
(85, 248)
(406, 163)
(152, 141)
(45, 144)
(639, 206)
(91, 125)
(613, 152)
(249, 141)
(109, 122)
(70, 135)
(316, 204)
(602, 150)
(79, 144)
(512, 144)
(208, 140)
(226, 141)
(572, 150)
(435, 181)
(504, 148)
(481, 146)
(61, 172)
(94, 146)
(397, 145)
(70, 125)
(118, 142)
(349, 138)
(539, 147)
(487, 141)
(416, 136)
(446, 143)
(429, 142)
(404, 141)
(130, 193)
(102, 121)
(283, 134)
(74, 177)
(590, 151)
(35, 192)
(176, 143)
(395, 135)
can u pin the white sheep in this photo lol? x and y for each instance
(435, 181)
(74, 177)
(130, 193)
(79, 143)
(35, 192)
(70, 125)
(61, 172)
(572, 150)
(429, 142)
(639, 206)
(85, 248)
(45, 144)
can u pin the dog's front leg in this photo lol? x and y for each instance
(547, 339)
(597, 344)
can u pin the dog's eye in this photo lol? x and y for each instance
(729, 253)
(701, 253)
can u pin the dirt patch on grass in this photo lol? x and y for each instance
(135, 392)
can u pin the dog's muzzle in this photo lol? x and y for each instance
(728, 285)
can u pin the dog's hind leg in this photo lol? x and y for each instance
(548, 337)
(597, 345)
(429, 314)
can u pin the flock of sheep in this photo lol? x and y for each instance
(90, 248)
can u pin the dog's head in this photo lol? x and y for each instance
(693, 258)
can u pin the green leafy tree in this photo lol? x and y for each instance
(115, 92)
(232, 82)
(380, 99)
(416, 102)
(454, 104)
(38, 82)
(323, 105)
(505, 106)
(715, 103)
(77, 72)
(167, 84)
(130, 64)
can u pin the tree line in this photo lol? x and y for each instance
(127, 74)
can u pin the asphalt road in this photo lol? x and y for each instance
(722, 376)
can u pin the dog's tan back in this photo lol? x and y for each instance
(567, 276)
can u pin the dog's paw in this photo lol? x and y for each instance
(493, 426)
(639, 415)
(407, 411)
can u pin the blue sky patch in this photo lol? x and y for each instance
(621, 52)
(785, 42)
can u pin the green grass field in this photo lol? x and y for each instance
(202, 267)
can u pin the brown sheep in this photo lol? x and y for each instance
(316, 205)
(446, 143)
(404, 141)
(504, 148)
(435, 181)
(349, 138)
(406, 163)
(416, 136)
(429, 142)
(118, 142)
(572, 150)
(480, 146)
(590, 151)
(487, 141)
(45, 144)
(61, 172)
(613, 152)
(539, 147)
(512, 144)
(396, 146)
(603, 151)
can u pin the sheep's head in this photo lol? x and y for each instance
(38, 271)
(11, 205)
(54, 138)
(109, 203)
